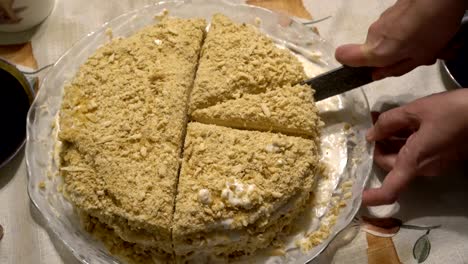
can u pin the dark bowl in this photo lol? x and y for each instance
(16, 97)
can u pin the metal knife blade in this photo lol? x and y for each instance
(339, 80)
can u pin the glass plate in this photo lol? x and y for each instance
(344, 149)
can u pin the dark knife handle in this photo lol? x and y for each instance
(339, 81)
(458, 42)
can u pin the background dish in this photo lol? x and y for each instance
(347, 117)
(456, 66)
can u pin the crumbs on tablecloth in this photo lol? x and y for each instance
(109, 33)
(42, 185)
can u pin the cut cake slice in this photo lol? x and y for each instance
(238, 189)
(289, 110)
(238, 59)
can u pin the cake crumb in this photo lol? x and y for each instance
(278, 252)
(161, 15)
(272, 148)
(158, 42)
(204, 196)
(109, 33)
(258, 21)
(265, 110)
(347, 126)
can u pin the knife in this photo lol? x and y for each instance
(339, 81)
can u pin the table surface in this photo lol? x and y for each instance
(435, 201)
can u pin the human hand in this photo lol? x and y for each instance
(422, 138)
(408, 34)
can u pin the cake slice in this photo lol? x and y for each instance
(238, 189)
(289, 110)
(121, 123)
(236, 60)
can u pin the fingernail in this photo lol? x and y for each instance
(370, 135)
(351, 55)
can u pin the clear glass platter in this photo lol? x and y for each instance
(345, 151)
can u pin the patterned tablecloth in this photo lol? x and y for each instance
(427, 202)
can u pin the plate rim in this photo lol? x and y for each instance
(101, 28)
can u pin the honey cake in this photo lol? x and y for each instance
(238, 189)
(289, 110)
(121, 123)
(237, 59)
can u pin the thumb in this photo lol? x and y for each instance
(375, 52)
(353, 55)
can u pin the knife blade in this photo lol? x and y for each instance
(339, 81)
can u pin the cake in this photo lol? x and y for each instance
(181, 145)
(238, 189)
(287, 110)
(236, 60)
(122, 122)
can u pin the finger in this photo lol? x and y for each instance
(436, 156)
(380, 52)
(395, 181)
(399, 137)
(384, 159)
(352, 55)
(403, 134)
(390, 123)
(398, 178)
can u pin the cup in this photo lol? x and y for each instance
(21, 15)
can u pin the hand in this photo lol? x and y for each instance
(408, 34)
(427, 136)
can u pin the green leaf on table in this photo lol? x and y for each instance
(422, 248)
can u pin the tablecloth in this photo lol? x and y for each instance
(435, 201)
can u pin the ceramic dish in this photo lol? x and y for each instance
(345, 151)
